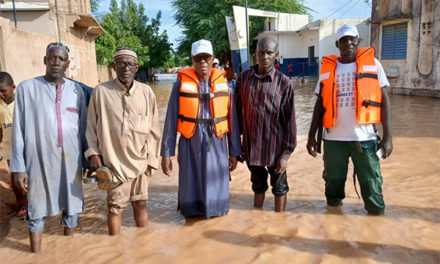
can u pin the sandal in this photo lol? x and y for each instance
(105, 177)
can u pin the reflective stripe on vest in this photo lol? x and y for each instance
(368, 93)
(189, 103)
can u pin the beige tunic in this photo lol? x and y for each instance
(123, 127)
(6, 115)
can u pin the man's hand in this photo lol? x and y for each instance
(232, 163)
(167, 166)
(95, 162)
(21, 181)
(387, 145)
(281, 166)
(312, 146)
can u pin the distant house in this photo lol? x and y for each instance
(299, 42)
(25, 35)
(236, 26)
(406, 36)
(305, 47)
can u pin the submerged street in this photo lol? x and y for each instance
(308, 232)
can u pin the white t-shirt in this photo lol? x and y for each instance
(346, 127)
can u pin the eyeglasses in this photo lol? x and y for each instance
(122, 65)
(199, 58)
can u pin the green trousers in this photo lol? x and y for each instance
(366, 166)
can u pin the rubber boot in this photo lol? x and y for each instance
(280, 203)
(259, 200)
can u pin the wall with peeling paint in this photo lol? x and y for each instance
(419, 72)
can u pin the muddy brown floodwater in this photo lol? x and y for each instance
(308, 232)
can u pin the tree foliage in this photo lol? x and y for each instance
(127, 26)
(205, 19)
(94, 4)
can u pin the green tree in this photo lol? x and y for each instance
(127, 25)
(206, 20)
(94, 5)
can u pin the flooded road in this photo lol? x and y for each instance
(308, 232)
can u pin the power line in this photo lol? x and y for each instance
(367, 2)
(342, 6)
(349, 8)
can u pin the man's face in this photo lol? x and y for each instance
(348, 46)
(126, 67)
(6, 91)
(266, 54)
(56, 61)
(203, 63)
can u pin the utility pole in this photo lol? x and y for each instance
(15, 13)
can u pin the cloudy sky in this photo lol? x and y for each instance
(323, 9)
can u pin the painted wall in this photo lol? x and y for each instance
(31, 45)
(294, 48)
(321, 34)
(34, 21)
(22, 52)
(419, 73)
(237, 27)
(327, 34)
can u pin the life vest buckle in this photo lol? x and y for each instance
(367, 103)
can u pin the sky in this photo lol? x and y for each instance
(322, 9)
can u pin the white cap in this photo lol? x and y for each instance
(201, 46)
(347, 30)
(216, 61)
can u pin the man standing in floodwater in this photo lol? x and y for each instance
(47, 145)
(201, 109)
(124, 136)
(266, 110)
(352, 98)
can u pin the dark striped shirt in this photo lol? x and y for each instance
(266, 109)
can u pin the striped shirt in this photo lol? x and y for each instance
(266, 110)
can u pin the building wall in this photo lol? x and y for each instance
(327, 34)
(34, 21)
(22, 52)
(32, 37)
(419, 72)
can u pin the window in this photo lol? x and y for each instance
(394, 41)
(311, 54)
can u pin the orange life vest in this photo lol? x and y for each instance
(189, 102)
(368, 93)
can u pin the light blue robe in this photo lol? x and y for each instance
(55, 182)
(203, 175)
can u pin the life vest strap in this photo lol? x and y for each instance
(209, 121)
(204, 96)
(366, 103)
(366, 75)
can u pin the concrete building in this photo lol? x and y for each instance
(238, 35)
(406, 36)
(300, 43)
(304, 48)
(24, 37)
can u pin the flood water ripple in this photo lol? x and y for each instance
(308, 232)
